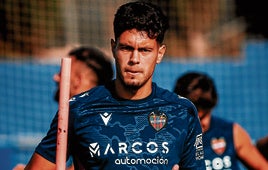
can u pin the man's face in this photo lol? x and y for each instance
(82, 78)
(136, 56)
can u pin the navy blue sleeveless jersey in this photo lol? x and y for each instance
(219, 147)
(106, 132)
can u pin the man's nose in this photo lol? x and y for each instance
(56, 77)
(135, 57)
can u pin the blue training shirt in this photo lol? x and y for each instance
(219, 146)
(107, 132)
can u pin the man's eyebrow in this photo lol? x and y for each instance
(125, 45)
(146, 46)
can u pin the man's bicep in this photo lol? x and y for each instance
(40, 163)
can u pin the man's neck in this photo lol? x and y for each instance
(130, 93)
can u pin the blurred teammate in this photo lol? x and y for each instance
(224, 142)
(90, 67)
(130, 123)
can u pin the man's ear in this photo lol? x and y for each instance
(113, 46)
(77, 79)
(161, 53)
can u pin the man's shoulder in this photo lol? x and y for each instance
(221, 120)
(221, 123)
(95, 94)
(174, 98)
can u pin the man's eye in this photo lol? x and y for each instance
(144, 50)
(125, 48)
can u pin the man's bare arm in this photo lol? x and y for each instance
(40, 163)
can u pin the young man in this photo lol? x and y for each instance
(225, 142)
(90, 67)
(130, 123)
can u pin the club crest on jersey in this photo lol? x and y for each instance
(218, 145)
(157, 120)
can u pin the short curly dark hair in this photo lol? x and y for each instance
(189, 82)
(143, 16)
(96, 60)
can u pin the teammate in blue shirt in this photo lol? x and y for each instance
(90, 67)
(130, 123)
(224, 142)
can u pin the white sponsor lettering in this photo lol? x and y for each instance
(130, 161)
(136, 147)
(94, 149)
(219, 163)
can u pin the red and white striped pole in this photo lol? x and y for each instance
(63, 114)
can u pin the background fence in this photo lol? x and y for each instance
(225, 38)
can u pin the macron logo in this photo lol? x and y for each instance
(106, 117)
